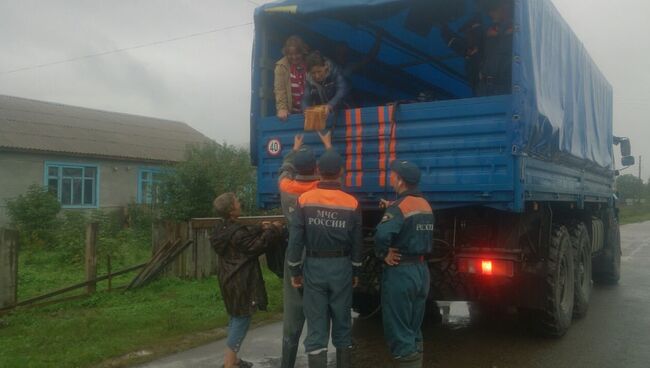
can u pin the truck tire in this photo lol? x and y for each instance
(608, 263)
(559, 281)
(582, 257)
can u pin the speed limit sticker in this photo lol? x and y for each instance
(274, 147)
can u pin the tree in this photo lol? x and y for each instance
(34, 214)
(629, 187)
(209, 170)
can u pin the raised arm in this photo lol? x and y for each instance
(254, 240)
(280, 91)
(287, 170)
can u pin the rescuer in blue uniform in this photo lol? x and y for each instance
(297, 176)
(327, 226)
(403, 239)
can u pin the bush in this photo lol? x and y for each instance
(140, 217)
(209, 170)
(34, 214)
(71, 237)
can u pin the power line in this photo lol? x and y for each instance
(114, 51)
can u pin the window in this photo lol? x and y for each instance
(75, 185)
(148, 185)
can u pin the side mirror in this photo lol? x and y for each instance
(627, 161)
(626, 148)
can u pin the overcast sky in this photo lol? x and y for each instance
(205, 80)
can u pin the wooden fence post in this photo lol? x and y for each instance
(91, 256)
(110, 275)
(8, 268)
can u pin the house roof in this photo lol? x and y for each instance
(29, 125)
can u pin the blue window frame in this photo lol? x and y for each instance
(75, 185)
(149, 184)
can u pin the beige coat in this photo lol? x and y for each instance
(282, 85)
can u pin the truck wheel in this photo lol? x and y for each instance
(582, 257)
(608, 270)
(559, 283)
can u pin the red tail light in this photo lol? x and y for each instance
(487, 267)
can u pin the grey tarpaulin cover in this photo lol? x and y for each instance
(563, 100)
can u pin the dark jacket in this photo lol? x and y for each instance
(326, 220)
(238, 268)
(488, 54)
(331, 91)
(407, 225)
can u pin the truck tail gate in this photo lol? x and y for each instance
(463, 148)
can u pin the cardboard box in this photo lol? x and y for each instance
(316, 118)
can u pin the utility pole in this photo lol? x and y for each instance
(640, 166)
(641, 187)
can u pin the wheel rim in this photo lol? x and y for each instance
(584, 276)
(566, 292)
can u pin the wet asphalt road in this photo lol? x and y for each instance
(615, 332)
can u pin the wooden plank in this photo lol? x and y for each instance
(157, 236)
(210, 223)
(91, 256)
(77, 286)
(207, 254)
(153, 263)
(110, 275)
(155, 266)
(8, 268)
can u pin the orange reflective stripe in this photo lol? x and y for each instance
(414, 205)
(393, 128)
(297, 187)
(382, 145)
(328, 198)
(359, 174)
(348, 148)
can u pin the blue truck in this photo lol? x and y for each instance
(521, 182)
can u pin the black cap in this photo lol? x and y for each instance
(304, 161)
(408, 171)
(330, 163)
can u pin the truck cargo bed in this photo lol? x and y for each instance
(464, 148)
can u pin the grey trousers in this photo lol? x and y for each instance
(294, 320)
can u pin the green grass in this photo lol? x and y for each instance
(87, 331)
(42, 271)
(634, 213)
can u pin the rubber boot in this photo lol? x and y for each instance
(344, 358)
(318, 360)
(412, 361)
(289, 352)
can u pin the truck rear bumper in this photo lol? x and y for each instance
(500, 277)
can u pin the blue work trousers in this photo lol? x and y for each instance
(328, 302)
(404, 291)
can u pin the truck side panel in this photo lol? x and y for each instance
(462, 146)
